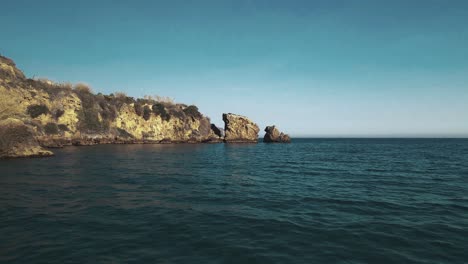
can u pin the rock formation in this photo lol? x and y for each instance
(37, 113)
(239, 129)
(217, 131)
(273, 135)
(16, 140)
(60, 114)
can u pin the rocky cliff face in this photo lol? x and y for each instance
(273, 135)
(59, 114)
(41, 113)
(17, 140)
(239, 129)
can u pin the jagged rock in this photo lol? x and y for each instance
(58, 113)
(217, 130)
(239, 129)
(17, 140)
(273, 135)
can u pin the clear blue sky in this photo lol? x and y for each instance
(314, 68)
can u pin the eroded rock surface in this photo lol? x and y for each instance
(17, 140)
(52, 115)
(61, 114)
(273, 135)
(239, 129)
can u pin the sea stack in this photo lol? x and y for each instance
(273, 135)
(239, 129)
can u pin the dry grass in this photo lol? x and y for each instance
(160, 99)
(12, 134)
(120, 95)
(9, 107)
(65, 85)
(44, 80)
(82, 88)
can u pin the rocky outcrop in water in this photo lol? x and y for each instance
(273, 135)
(239, 129)
(17, 140)
(39, 113)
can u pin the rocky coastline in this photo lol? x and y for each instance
(37, 115)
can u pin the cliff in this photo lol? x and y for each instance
(58, 114)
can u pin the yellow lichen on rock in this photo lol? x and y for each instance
(70, 104)
(56, 115)
(155, 128)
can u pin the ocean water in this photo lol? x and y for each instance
(312, 201)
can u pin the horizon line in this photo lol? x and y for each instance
(381, 136)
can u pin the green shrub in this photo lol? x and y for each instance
(138, 109)
(58, 113)
(160, 110)
(82, 88)
(146, 112)
(89, 120)
(107, 109)
(192, 111)
(175, 111)
(89, 114)
(51, 129)
(119, 100)
(66, 86)
(11, 135)
(50, 87)
(37, 110)
(63, 127)
(120, 95)
(109, 114)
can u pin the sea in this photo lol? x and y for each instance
(311, 201)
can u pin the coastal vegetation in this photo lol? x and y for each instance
(53, 114)
(38, 112)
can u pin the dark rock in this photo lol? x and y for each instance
(273, 135)
(218, 131)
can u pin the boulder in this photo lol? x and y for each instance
(273, 135)
(17, 140)
(239, 129)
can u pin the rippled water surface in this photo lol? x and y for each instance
(312, 201)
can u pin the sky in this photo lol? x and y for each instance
(313, 68)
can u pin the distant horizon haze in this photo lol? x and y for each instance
(325, 69)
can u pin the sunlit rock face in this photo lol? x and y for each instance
(273, 135)
(239, 129)
(17, 140)
(59, 114)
